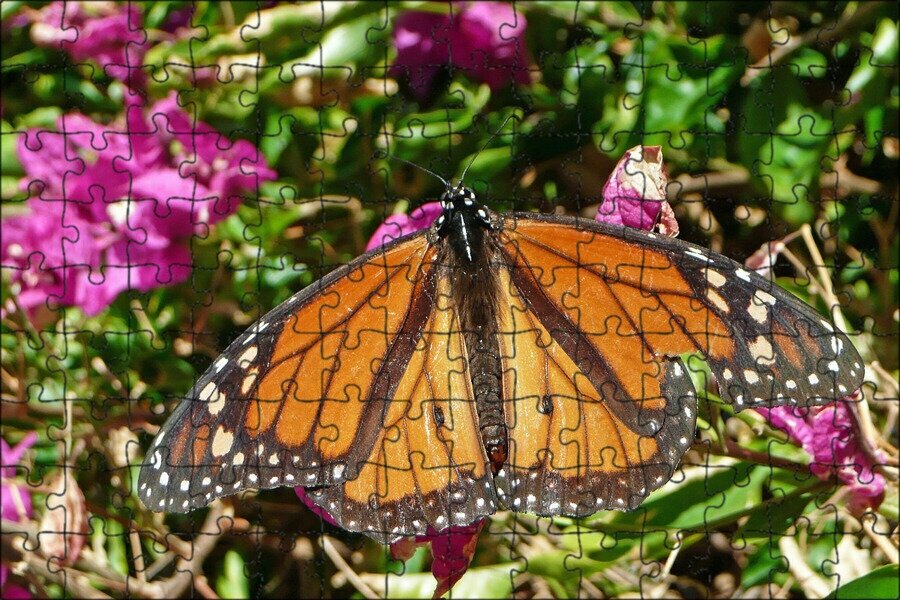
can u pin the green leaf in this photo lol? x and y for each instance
(765, 565)
(724, 493)
(809, 63)
(479, 582)
(115, 544)
(774, 517)
(880, 583)
(791, 164)
(233, 582)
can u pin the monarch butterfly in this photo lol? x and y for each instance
(515, 361)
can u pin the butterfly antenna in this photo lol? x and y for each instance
(486, 144)
(420, 167)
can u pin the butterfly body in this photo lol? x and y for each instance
(465, 234)
(493, 361)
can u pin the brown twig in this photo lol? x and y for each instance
(216, 523)
(352, 576)
(850, 18)
(14, 539)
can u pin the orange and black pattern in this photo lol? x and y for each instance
(370, 389)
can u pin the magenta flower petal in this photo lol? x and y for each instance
(15, 592)
(165, 206)
(304, 497)
(107, 33)
(635, 194)
(483, 39)
(452, 550)
(116, 206)
(489, 44)
(396, 226)
(828, 435)
(15, 500)
(50, 253)
(423, 48)
(10, 457)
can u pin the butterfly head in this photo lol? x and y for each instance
(458, 197)
(462, 210)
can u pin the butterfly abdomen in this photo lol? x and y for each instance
(470, 251)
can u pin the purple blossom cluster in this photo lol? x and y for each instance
(15, 504)
(106, 33)
(113, 206)
(485, 40)
(828, 435)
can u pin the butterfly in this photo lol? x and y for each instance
(493, 361)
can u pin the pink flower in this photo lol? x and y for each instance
(483, 39)
(828, 435)
(396, 226)
(113, 208)
(635, 194)
(15, 502)
(452, 550)
(305, 499)
(107, 33)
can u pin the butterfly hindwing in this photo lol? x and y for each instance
(427, 468)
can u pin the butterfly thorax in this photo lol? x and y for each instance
(468, 248)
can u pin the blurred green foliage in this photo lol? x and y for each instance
(807, 138)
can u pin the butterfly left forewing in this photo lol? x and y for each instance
(285, 404)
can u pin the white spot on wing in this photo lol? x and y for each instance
(222, 441)
(248, 356)
(214, 397)
(761, 351)
(717, 300)
(715, 278)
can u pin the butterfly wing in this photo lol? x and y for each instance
(428, 467)
(356, 387)
(599, 408)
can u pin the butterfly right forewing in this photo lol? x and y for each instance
(605, 312)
